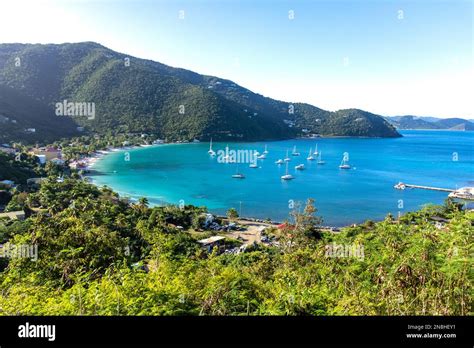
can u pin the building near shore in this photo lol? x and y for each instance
(49, 153)
(465, 193)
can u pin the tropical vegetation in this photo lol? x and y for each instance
(101, 254)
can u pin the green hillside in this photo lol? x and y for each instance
(413, 122)
(175, 104)
(19, 113)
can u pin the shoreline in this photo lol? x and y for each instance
(134, 198)
(100, 154)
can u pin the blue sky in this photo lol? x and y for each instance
(389, 57)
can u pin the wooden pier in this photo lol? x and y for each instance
(402, 186)
(465, 193)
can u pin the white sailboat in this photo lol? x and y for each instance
(287, 159)
(280, 161)
(295, 153)
(345, 163)
(211, 151)
(299, 167)
(287, 176)
(320, 161)
(315, 150)
(238, 175)
(266, 151)
(310, 157)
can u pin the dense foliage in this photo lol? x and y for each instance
(99, 254)
(16, 170)
(134, 95)
(19, 112)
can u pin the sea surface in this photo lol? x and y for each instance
(186, 174)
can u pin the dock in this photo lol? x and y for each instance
(402, 186)
(466, 193)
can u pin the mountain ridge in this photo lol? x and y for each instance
(414, 122)
(172, 103)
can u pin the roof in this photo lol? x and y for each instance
(13, 215)
(285, 226)
(439, 219)
(35, 180)
(210, 240)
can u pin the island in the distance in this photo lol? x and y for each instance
(133, 95)
(434, 123)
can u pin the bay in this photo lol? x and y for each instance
(185, 173)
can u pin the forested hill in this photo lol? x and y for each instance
(19, 112)
(137, 95)
(413, 122)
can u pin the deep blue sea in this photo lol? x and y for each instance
(185, 173)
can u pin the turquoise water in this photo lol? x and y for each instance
(171, 173)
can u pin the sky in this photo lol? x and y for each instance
(390, 57)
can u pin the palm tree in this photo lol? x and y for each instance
(232, 214)
(143, 202)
